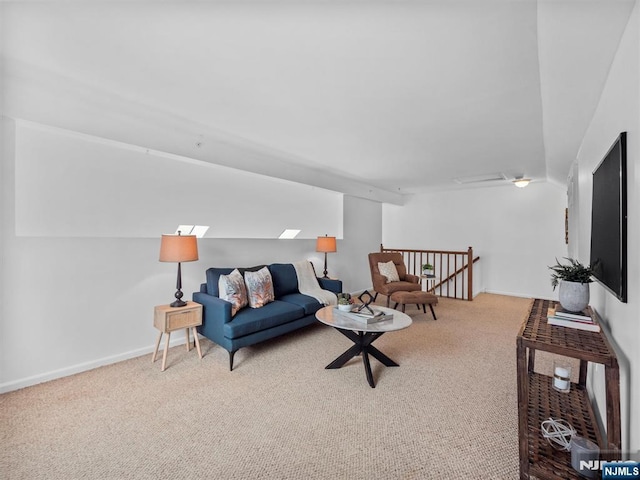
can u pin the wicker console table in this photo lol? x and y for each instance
(537, 400)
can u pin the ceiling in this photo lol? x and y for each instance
(377, 98)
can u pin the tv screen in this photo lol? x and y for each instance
(609, 220)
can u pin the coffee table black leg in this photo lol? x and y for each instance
(345, 357)
(356, 349)
(381, 357)
(367, 368)
(362, 345)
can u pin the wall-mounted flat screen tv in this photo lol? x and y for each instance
(609, 220)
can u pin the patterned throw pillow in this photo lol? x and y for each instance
(259, 287)
(389, 270)
(232, 290)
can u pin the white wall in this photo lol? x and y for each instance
(618, 111)
(70, 303)
(75, 185)
(363, 235)
(516, 232)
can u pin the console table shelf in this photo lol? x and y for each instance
(538, 401)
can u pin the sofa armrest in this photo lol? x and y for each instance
(330, 284)
(411, 278)
(214, 309)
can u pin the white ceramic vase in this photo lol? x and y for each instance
(573, 296)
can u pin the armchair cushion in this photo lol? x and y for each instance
(389, 271)
(392, 287)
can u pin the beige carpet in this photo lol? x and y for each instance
(448, 412)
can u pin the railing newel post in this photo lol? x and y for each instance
(470, 274)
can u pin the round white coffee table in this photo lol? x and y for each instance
(363, 335)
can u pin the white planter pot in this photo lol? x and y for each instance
(573, 296)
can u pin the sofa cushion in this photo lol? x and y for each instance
(252, 320)
(213, 276)
(285, 280)
(233, 290)
(309, 304)
(259, 287)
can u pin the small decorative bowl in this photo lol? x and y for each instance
(344, 308)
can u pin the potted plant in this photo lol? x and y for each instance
(427, 269)
(344, 302)
(574, 280)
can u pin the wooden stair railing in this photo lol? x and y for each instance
(453, 269)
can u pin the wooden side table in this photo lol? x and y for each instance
(167, 319)
(538, 401)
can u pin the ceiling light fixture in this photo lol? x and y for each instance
(521, 182)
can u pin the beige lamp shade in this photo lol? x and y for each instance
(178, 248)
(326, 244)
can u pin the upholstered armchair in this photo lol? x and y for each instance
(382, 285)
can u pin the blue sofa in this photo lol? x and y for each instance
(290, 310)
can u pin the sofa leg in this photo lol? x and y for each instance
(231, 354)
(388, 300)
(433, 312)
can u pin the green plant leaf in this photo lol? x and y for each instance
(573, 272)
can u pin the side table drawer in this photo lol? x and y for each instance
(167, 318)
(184, 319)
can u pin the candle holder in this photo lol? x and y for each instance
(561, 376)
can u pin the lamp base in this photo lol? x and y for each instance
(324, 273)
(179, 302)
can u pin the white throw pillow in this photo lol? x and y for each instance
(232, 289)
(389, 270)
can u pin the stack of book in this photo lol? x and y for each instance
(578, 320)
(367, 315)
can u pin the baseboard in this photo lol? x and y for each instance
(514, 294)
(83, 367)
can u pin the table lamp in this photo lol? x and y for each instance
(178, 248)
(327, 245)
